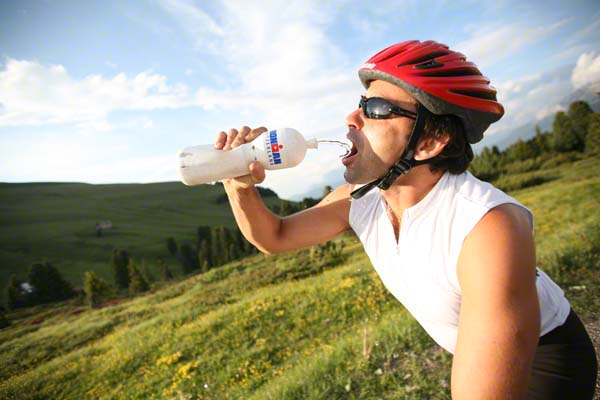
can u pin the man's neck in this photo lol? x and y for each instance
(411, 188)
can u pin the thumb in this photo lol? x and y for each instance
(257, 171)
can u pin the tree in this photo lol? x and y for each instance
(326, 190)
(95, 289)
(519, 151)
(285, 208)
(592, 139)
(188, 258)
(564, 137)
(120, 261)
(165, 272)
(580, 113)
(13, 295)
(48, 284)
(542, 141)
(172, 246)
(137, 283)
(204, 256)
(203, 233)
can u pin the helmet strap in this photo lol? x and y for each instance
(406, 161)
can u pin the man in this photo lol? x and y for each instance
(458, 253)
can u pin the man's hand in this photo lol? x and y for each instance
(234, 139)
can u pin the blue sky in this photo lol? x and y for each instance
(108, 91)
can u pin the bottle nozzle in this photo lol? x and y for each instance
(312, 143)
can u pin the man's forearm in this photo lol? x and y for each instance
(257, 223)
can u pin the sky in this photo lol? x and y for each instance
(110, 91)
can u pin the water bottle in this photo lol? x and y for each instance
(275, 149)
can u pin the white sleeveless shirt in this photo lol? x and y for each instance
(420, 269)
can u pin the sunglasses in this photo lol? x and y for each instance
(379, 108)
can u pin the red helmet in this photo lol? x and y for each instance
(442, 80)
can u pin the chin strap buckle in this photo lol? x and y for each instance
(402, 166)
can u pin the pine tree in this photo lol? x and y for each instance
(520, 151)
(215, 250)
(13, 296)
(48, 284)
(579, 114)
(172, 246)
(233, 252)
(592, 138)
(165, 272)
(203, 233)
(564, 137)
(188, 258)
(224, 241)
(120, 261)
(204, 256)
(285, 208)
(137, 283)
(95, 289)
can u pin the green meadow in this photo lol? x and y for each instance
(56, 222)
(288, 326)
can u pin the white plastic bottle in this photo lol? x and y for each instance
(275, 149)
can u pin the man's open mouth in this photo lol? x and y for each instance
(350, 157)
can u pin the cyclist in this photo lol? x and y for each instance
(457, 252)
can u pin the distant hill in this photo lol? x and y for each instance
(56, 222)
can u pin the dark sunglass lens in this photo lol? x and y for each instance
(377, 108)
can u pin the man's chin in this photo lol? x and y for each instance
(353, 179)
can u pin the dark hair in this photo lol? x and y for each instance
(457, 154)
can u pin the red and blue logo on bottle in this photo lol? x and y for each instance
(272, 146)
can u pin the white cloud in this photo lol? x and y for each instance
(489, 45)
(279, 68)
(532, 97)
(587, 70)
(195, 22)
(36, 94)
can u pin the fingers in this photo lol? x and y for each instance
(254, 133)
(230, 138)
(235, 138)
(221, 139)
(241, 137)
(257, 172)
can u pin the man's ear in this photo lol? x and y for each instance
(430, 147)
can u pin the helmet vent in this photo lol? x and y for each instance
(456, 72)
(428, 57)
(479, 95)
(429, 64)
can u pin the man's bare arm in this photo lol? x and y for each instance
(499, 317)
(271, 233)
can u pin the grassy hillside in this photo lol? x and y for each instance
(56, 222)
(289, 326)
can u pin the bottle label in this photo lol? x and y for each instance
(273, 148)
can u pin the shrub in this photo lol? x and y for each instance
(508, 183)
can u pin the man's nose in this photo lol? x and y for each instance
(355, 120)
